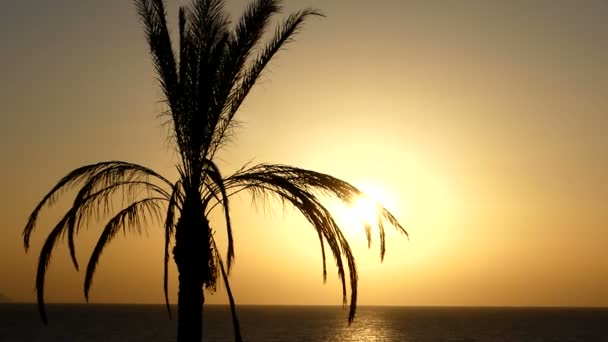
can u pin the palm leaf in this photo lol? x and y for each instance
(216, 191)
(98, 181)
(169, 233)
(130, 216)
(71, 180)
(263, 182)
(74, 178)
(283, 35)
(44, 260)
(110, 179)
(235, 319)
(152, 14)
(300, 188)
(247, 34)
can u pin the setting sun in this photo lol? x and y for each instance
(374, 197)
(366, 210)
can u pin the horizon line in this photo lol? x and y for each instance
(338, 305)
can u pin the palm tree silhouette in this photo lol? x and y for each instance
(217, 67)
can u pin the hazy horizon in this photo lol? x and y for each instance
(482, 125)
(174, 305)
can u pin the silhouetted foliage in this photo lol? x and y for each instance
(203, 88)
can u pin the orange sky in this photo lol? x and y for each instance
(482, 124)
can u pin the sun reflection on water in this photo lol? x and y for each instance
(369, 326)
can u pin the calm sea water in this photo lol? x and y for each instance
(20, 322)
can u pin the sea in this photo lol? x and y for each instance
(93, 322)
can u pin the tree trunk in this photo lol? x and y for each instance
(190, 308)
(193, 256)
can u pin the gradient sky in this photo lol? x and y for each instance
(482, 124)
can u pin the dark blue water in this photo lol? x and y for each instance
(20, 322)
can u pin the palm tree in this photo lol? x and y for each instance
(217, 67)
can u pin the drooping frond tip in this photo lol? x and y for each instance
(98, 184)
(235, 319)
(301, 188)
(133, 216)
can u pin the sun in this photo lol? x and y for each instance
(363, 212)
(366, 210)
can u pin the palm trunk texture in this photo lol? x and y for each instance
(192, 254)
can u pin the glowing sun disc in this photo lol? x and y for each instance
(366, 210)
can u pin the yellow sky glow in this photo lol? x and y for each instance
(482, 126)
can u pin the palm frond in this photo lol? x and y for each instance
(207, 21)
(152, 14)
(202, 28)
(247, 34)
(300, 188)
(278, 181)
(368, 233)
(217, 189)
(44, 260)
(209, 78)
(382, 239)
(284, 34)
(235, 319)
(323, 258)
(98, 183)
(174, 203)
(73, 179)
(126, 177)
(133, 216)
(60, 229)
